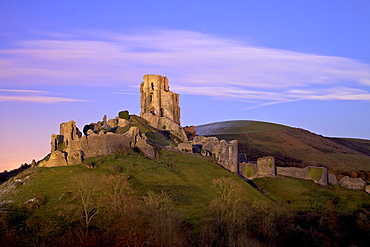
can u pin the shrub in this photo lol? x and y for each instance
(124, 115)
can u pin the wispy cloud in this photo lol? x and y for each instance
(33, 96)
(195, 64)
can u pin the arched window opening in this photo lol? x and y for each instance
(153, 111)
(152, 86)
(150, 97)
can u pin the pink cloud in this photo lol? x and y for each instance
(196, 64)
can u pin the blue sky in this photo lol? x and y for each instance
(304, 64)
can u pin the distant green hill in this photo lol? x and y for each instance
(237, 127)
(292, 146)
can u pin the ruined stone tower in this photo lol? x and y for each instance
(157, 99)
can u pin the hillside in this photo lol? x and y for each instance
(237, 127)
(125, 199)
(186, 178)
(184, 199)
(292, 146)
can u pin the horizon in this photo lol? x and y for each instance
(300, 64)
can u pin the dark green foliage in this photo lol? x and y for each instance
(124, 115)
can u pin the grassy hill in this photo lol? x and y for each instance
(292, 146)
(186, 178)
(237, 127)
(178, 200)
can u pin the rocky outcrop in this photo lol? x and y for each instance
(145, 149)
(163, 123)
(352, 183)
(122, 122)
(57, 158)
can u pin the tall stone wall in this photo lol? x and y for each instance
(228, 155)
(225, 153)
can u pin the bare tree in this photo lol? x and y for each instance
(229, 210)
(89, 194)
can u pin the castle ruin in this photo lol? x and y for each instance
(157, 99)
(160, 106)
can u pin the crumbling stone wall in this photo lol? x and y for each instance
(352, 183)
(70, 148)
(315, 173)
(225, 153)
(265, 167)
(248, 170)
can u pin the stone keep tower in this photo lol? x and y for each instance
(157, 99)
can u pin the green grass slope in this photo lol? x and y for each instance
(304, 195)
(187, 179)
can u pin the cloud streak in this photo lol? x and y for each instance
(195, 63)
(35, 96)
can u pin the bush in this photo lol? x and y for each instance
(124, 115)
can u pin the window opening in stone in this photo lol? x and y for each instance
(152, 85)
(150, 97)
